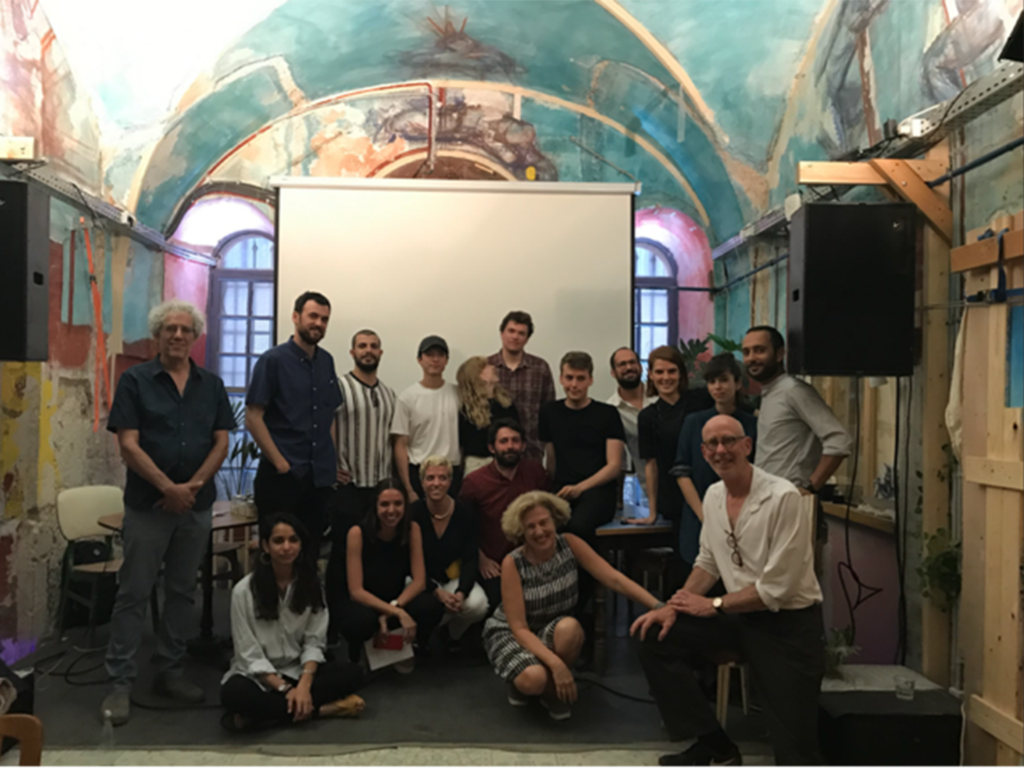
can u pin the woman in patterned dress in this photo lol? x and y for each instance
(532, 639)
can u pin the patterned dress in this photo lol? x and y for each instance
(550, 592)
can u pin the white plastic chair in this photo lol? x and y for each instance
(78, 512)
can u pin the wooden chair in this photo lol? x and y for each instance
(726, 662)
(27, 730)
(78, 510)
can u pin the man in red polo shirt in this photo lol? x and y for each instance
(489, 490)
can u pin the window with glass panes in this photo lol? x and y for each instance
(655, 321)
(242, 308)
(241, 321)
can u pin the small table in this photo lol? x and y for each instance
(223, 520)
(618, 536)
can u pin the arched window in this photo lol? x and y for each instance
(655, 304)
(241, 313)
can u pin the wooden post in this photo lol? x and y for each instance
(935, 623)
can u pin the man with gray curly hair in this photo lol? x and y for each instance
(172, 420)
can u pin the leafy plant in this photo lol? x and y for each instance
(839, 648)
(695, 367)
(242, 457)
(939, 570)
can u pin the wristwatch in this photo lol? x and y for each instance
(809, 487)
(719, 605)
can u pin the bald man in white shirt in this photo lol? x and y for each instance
(757, 538)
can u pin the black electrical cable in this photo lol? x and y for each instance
(906, 513)
(901, 610)
(845, 568)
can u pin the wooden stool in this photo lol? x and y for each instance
(726, 662)
(229, 551)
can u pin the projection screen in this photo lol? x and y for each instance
(410, 257)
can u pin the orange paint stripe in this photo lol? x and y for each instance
(46, 42)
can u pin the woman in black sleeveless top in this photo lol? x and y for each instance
(387, 577)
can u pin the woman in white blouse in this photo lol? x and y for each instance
(279, 629)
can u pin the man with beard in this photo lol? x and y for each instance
(491, 489)
(363, 426)
(290, 410)
(628, 399)
(798, 436)
(526, 377)
(757, 539)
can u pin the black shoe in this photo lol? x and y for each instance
(702, 754)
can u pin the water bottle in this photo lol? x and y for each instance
(107, 737)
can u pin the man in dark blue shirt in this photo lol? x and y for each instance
(290, 413)
(172, 420)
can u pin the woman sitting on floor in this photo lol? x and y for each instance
(386, 577)
(450, 550)
(532, 639)
(279, 630)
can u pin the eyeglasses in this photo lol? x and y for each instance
(737, 558)
(728, 441)
(373, 398)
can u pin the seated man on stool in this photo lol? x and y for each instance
(758, 538)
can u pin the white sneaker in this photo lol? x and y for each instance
(405, 666)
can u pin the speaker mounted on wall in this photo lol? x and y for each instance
(851, 289)
(25, 256)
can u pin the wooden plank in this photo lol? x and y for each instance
(1008, 729)
(858, 517)
(979, 747)
(994, 472)
(845, 174)
(986, 252)
(912, 188)
(936, 628)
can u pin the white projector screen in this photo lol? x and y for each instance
(410, 258)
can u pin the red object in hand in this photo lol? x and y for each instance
(388, 642)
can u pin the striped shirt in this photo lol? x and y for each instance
(364, 430)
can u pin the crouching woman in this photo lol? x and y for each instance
(279, 630)
(532, 639)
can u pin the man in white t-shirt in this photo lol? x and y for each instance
(426, 421)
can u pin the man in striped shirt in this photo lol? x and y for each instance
(364, 446)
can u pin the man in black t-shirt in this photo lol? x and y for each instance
(583, 444)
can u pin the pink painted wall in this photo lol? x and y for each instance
(874, 557)
(688, 244)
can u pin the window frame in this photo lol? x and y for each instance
(667, 284)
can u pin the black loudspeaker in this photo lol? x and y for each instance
(25, 262)
(851, 289)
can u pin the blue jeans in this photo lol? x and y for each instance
(154, 538)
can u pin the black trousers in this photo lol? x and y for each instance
(591, 510)
(349, 505)
(417, 486)
(357, 623)
(298, 496)
(786, 654)
(244, 696)
(492, 588)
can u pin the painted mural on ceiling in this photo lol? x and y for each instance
(708, 104)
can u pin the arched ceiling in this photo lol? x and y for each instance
(559, 56)
(709, 103)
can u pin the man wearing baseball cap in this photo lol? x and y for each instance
(426, 421)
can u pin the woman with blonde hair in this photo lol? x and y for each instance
(532, 639)
(482, 400)
(451, 544)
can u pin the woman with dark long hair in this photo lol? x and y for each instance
(387, 577)
(279, 630)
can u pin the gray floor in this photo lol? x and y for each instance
(444, 702)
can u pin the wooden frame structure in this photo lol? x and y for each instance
(989, 632)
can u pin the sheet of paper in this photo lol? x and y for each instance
(379, 658)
